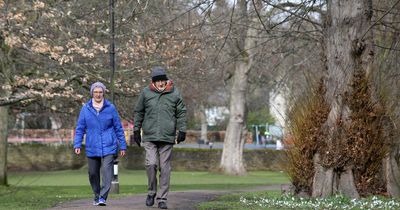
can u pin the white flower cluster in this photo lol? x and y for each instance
(46, 87)
(336, 202)
(38, 5)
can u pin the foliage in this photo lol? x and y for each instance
(259, 117)
(367, 144)
(305, 122)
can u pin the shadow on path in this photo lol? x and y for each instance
(186, 200)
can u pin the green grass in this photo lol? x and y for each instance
(232, 201)
(275, 200)
(39, 190)
(138, 177)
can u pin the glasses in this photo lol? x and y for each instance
(98, 92)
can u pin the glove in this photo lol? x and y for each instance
(137, 137)
(181, 137)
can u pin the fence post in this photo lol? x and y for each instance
(114, 183)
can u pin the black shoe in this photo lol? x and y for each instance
(150, 200)
(162, 205)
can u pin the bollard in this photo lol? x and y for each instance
(114, 183)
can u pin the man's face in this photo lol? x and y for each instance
(161, 84)
(98, 94)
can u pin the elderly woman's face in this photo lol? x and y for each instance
(98, 94)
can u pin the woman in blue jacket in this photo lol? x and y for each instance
(100, 122)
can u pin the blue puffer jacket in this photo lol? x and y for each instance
(104, 132)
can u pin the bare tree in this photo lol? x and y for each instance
(232, 154)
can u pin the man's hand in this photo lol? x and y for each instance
(137, 137)
(181, 137)
(77, 151)
(122, 153)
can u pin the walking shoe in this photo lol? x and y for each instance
(102, 202)
(162, 205)
(150, 200)
(96, 201)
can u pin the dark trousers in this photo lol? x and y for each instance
(158, 154)
(105, 166)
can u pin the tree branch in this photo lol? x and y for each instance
(379, 19)
(288, 4)
(5, 101)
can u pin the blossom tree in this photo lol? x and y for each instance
(52, 51)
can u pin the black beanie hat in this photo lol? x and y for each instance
(158, 73)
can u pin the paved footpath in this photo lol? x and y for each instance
(186, 200)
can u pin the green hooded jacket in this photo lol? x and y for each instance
(160, 114)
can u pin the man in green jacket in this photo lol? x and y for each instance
(159, 112)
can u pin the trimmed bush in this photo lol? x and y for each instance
(40, 157)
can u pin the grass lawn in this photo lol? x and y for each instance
(233, 201)
(275, 200)
(39, 190)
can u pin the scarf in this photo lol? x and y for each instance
(97, 106)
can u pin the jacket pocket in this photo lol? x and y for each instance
(169, 128)
(149, 127)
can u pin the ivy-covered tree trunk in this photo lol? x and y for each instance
(349, 160)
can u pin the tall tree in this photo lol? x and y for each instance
(342, 129)
(232, 154)
(347, 125)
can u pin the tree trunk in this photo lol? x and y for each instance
(3, 144)
(390, 163)
(232, 154)
(5, 75)
(204, 124)
(348, 50)
(323, 179)
(392, 172)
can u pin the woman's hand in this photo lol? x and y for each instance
(122, 153)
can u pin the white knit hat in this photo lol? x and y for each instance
(95, 85)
